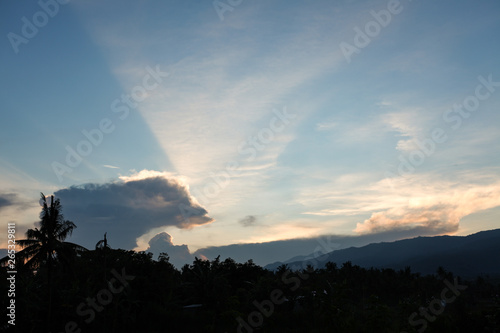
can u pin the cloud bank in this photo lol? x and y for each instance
(284, 250)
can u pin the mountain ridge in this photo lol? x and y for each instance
(467, 256)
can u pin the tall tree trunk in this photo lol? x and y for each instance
(49, 263)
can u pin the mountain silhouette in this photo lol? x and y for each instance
(466, 256)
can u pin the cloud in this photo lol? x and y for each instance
(201, 132)
(6, 199)
(248, 221)
(179, 254)
(410, 122)
(438, 213)
(435, 219)
(406, 123)
(432, 202)
(326, 126)
(129, 208)
(19, 208)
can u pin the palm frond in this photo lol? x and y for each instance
(47, 241)
(63, 230)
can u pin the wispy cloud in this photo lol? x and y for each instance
(426, 201)
(410, 124)
(325, 126)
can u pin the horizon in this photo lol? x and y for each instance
(192, 128)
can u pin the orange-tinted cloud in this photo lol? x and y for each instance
(439, 213)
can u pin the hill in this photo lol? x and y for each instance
(467, 256)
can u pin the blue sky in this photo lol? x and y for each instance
(259, 122)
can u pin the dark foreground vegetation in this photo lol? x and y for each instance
(155, 297)
(61, 287)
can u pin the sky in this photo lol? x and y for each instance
(252, 129)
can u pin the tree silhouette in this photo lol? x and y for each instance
(128, 291)
(46, 245)
(103, 243)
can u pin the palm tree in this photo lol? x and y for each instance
(46, 245)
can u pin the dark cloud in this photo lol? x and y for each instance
(127, 210)
(179, 254)
(6, 199)
(248, 220)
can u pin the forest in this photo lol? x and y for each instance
(62, 287)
